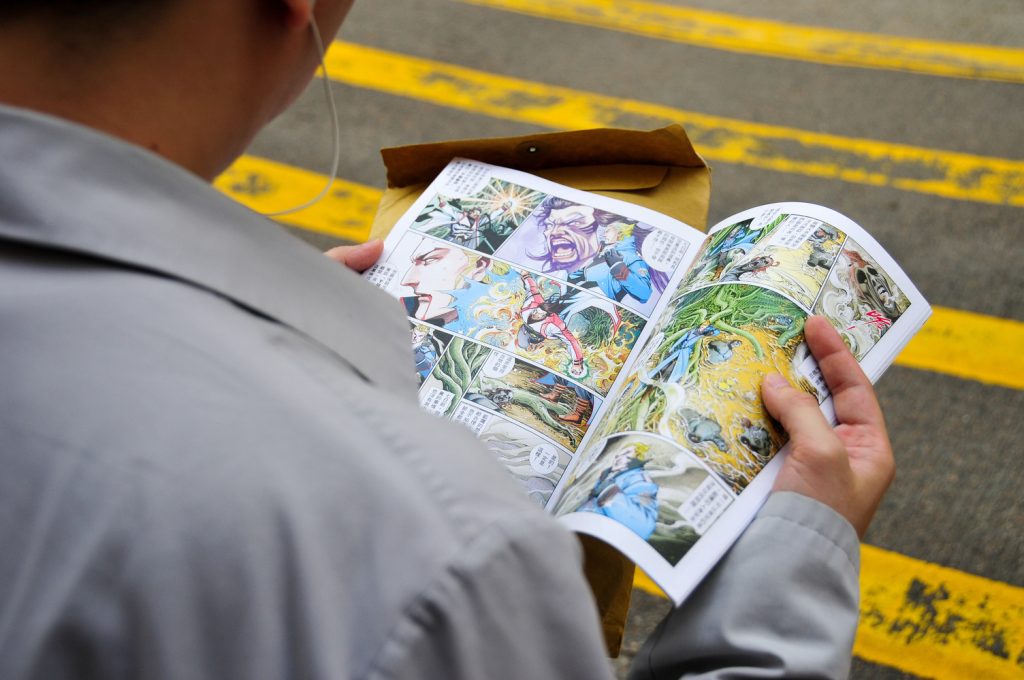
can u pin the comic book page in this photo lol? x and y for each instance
(685, 453)
(525, 300)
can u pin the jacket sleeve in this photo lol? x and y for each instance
(782, 603)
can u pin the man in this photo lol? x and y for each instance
(214, 464)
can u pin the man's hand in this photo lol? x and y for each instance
(359, 257)
(847, 468)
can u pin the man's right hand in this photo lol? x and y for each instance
(847, 468)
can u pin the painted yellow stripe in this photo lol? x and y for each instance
(968, 345)
(863, 161)
(964, 344)
(930, 620)
(775, 39)
(346, 212)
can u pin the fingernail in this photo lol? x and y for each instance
(775, 381)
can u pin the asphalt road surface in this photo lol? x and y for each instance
(958, 441)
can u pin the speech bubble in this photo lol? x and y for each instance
(543, 459)
(663, 250)
(473, 418)
(705, 505)
(498, 365)
(463, 178)
(435, 400)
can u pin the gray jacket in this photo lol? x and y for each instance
(210, 472)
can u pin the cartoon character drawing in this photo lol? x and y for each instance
(755, 265)
(426, 350)
(701, 428)
(555, 386)
(677, 358)
(721, 351)
(873, 286)
(468, 227)
(445, 281)
(495, 398)
(626, 493)
(737, 244)
(544, 320)
(596, 249)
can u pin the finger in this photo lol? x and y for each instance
(796, 410)
(852, 394)
(359, 257)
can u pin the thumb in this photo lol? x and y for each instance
(359, 257)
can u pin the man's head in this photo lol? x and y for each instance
(571, 232)
(192, 80)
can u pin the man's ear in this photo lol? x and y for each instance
(297, 12)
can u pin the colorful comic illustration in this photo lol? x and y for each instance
(698, 381)
(534, 462)
(791, 254)
(428, 345)
(535, 397)
(725, 247)
(572, 332)
(479, 222)
(860, 299)
(452, 375)
(652, 487)
(621, 259)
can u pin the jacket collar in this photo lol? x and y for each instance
(70, 187)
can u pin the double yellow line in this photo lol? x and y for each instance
(863, 161)
(766, 38)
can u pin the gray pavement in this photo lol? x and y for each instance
(957, 498)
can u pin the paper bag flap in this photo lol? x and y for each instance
(658, 169)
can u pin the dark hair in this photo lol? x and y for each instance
(601, 217)
(94, 19)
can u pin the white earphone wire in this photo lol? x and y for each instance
(335, 129)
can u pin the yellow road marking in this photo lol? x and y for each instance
(265, 186)
(964, 344)
(765, 38)
(863, 161)
(968, 345)
(930, 620)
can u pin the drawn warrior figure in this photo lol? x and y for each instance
(425, 350)
(467, 227)
(548, 320)
(678, 356)
(626, 493)
(757, 265)
(593, 249)
(618, 270)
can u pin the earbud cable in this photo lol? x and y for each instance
(335, 130)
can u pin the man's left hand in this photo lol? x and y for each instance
(359, 257)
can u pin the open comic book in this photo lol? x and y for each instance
(612, 357)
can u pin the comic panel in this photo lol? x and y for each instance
(481, 221)
(537, 398)
(571, 332)
(860, 299)
(451, 376)
(621, 259)
(727, 246)
(652, 487)
(698, 380)
(428, 344)
(792, 254)
(534, 462)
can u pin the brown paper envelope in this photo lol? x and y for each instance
(658, 169)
